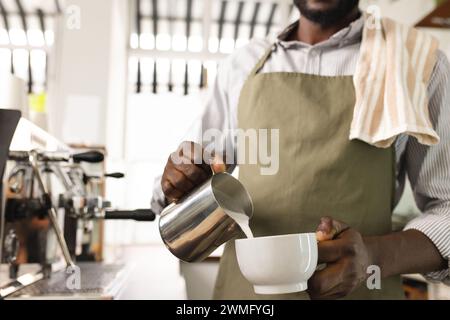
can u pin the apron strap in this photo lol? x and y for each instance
(263, 60)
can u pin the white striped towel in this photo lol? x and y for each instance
(391, 80)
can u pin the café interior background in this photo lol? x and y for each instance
(132, 76)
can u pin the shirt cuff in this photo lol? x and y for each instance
(158, 202)
(437, 229)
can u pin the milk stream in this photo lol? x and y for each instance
(243, 222)
(235, 212)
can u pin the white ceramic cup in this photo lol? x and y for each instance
(279, 264)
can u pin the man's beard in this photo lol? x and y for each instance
(329, 17)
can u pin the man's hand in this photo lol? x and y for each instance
(187, 168)
(346, 256)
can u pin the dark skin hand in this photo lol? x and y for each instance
(348, 255)
(186, 169)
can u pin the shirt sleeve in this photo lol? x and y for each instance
(428, 169)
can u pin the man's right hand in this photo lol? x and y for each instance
(186, 169)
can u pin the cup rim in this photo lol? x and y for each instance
(308, 234)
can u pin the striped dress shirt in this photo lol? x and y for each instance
(427, 168)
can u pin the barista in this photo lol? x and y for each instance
(344, 189)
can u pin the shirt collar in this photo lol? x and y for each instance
(349, 35)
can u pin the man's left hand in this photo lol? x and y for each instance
(346, 256)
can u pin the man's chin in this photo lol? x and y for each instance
(326, 12)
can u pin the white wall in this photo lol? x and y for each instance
(117, 90)
(90, 62)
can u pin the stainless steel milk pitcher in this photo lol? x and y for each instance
(198, 224)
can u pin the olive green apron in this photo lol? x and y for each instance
(321, 172)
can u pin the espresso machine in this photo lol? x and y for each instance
(50, 208)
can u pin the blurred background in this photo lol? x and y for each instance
(131, 77)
